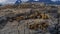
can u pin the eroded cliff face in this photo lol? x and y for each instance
(34, 18)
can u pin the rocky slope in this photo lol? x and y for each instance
(16, 19)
